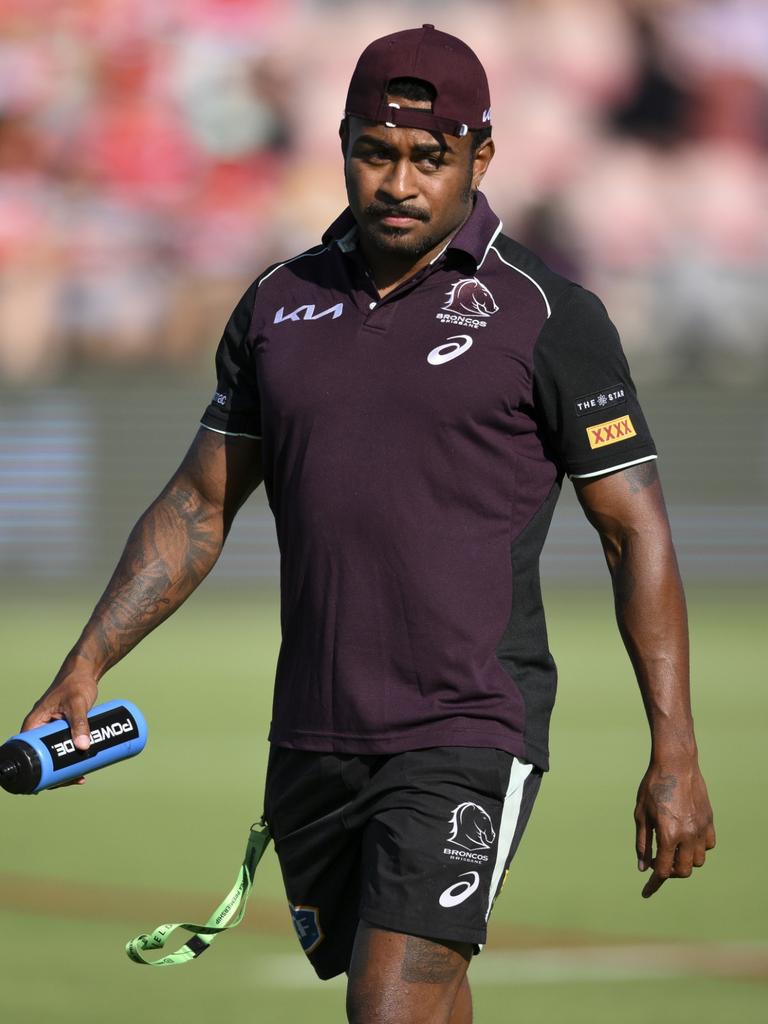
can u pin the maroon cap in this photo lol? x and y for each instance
(462, 103)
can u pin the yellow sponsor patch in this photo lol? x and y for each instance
(610, 432)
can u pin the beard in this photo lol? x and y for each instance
(398, 241)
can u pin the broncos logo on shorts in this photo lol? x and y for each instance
(472, 828)
(469, 297)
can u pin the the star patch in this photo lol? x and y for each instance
(599, 400)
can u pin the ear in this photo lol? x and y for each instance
(344, 135)
(481, 161)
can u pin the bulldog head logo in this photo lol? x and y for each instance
(469, 297)
(471, 828)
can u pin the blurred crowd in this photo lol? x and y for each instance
(155, 155)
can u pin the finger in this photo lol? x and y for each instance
(39, 715)
(682, 866)
(709, 836)
(663, 863)
(699, 854)
(70, 782)
(653, 885)
(77, 716)
(640, 842)
(648, 852)
(643, 844)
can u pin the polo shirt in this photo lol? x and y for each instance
(413, 448)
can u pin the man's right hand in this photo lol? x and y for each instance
(170, 550)
(70, 697)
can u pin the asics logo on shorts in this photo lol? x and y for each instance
(459, 891)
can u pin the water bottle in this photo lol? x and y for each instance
(46, 756)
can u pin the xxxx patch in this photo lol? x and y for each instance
(610, 432)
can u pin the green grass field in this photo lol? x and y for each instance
(160, 838)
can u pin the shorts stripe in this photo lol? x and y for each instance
(518, 773)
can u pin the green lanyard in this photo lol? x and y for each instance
(228, 914)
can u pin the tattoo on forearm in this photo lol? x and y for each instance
(430, 962)
(641, 476)
(169, 551)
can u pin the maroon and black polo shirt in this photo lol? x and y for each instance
(413, 451)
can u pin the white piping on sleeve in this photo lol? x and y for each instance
(231, 433)
(293, 259)
(532, 280)
(261, 280)
(611, 469)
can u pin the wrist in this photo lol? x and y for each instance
(674, 752)
(81, 662)
(673, 739)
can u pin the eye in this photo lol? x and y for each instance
(374, 156)
(431, 163)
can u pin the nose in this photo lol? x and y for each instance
(400, 183)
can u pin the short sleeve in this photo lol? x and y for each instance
(235, 406)
(584, 395)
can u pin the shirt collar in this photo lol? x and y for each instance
(473, 238)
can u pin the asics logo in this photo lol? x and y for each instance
(450, 349)
(460, 891)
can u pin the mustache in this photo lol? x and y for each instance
(397, 210)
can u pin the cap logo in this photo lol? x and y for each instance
(486, 115)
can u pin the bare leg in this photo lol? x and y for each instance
(403, 979)
(462, 1005)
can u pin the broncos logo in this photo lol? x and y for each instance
(469, 297)
(471, 827)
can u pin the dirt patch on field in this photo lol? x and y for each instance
(146, 908)
(64, 898)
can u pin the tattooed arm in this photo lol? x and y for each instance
(170, 550)
(627, 509)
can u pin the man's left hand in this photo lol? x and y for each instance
(672, 802)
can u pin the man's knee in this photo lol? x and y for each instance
(404, 979)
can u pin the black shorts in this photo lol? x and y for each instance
(417, 842)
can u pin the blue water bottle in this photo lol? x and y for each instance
(46, 756)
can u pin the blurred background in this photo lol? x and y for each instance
(155, 156)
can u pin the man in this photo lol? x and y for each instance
(412, 392)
